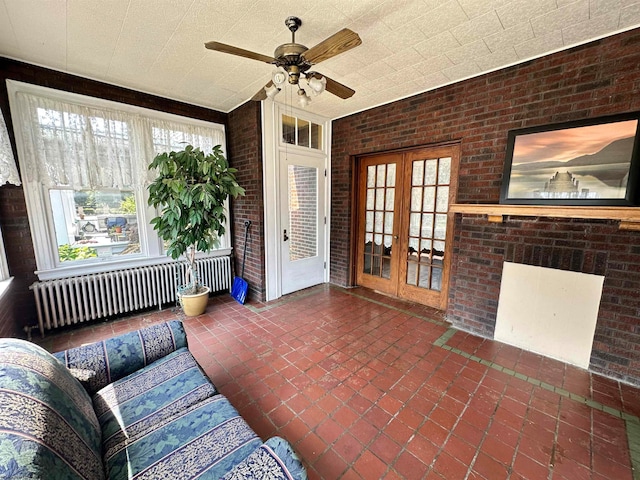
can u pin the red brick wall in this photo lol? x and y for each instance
(8, 326)
(245, 150)
(596, 79)
(13, 214)
(16, 306)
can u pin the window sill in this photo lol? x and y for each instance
(87, 269)
(4, 286)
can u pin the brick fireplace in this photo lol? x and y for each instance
(588, 246)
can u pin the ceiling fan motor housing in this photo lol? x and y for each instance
(289, 57)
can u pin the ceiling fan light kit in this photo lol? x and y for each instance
(294, 60)
(317, 85)
(271, 91)
(303, 98)
(280, 77)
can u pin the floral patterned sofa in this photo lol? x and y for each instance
(136, 406)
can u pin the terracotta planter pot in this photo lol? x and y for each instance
(194, 305)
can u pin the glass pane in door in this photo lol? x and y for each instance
(428, 222)
(379, 218)
(303, 212)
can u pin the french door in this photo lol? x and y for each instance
(403, 229)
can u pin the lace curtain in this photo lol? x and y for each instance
(169, 136)
(80, 147)
(8, 170)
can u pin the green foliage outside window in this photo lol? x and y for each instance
(67, 253)
(128, 205)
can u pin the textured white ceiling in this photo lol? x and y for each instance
(409, 46)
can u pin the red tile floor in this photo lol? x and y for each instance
(369, 387)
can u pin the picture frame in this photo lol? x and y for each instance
(584, 162)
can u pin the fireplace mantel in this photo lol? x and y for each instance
(629, 217)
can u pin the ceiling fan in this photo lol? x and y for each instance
(295, 60)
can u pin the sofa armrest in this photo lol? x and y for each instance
(275, 458)
(98, 364)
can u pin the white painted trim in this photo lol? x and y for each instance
(140, 261)
(4, 286)
(4, 267)
(270, 189)
(327, 200)
(272, 145)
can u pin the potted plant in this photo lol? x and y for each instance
(190, 190)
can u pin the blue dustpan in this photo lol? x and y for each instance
(239, 289)
(240, 285)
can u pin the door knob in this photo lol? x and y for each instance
(285, 237)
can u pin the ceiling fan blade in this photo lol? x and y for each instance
(338, 89)
(338, 43)
(262, 93)
(221, 47)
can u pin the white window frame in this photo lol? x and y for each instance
(4, 267)
(39, 208)
(5, 279)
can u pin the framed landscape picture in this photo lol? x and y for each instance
(584, 162)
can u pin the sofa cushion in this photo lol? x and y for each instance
(273, 459)
(48, 428)
(98, 364)
(203, 441)
(130, 407)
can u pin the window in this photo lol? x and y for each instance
(86, 175)
(94, 224)
(296, 131)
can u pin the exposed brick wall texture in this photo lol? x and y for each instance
(8, 326)
(245, 153)
(303, 233)
(13, 212)
(600, 78)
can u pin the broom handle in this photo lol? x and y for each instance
(247, 224)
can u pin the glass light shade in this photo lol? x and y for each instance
(303, 98)
(317, 85)
(279, 77)
(272, 91)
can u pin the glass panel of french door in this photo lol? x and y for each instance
(428, 222)
(430, 179)
(379, 215)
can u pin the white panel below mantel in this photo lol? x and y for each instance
(548, 311)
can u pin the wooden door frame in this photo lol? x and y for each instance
(354, 161)
(374, 282)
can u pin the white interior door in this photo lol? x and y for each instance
(302, 221)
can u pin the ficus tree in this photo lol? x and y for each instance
(190, 190)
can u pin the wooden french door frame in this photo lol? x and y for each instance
(396, 284)
(390, 233)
